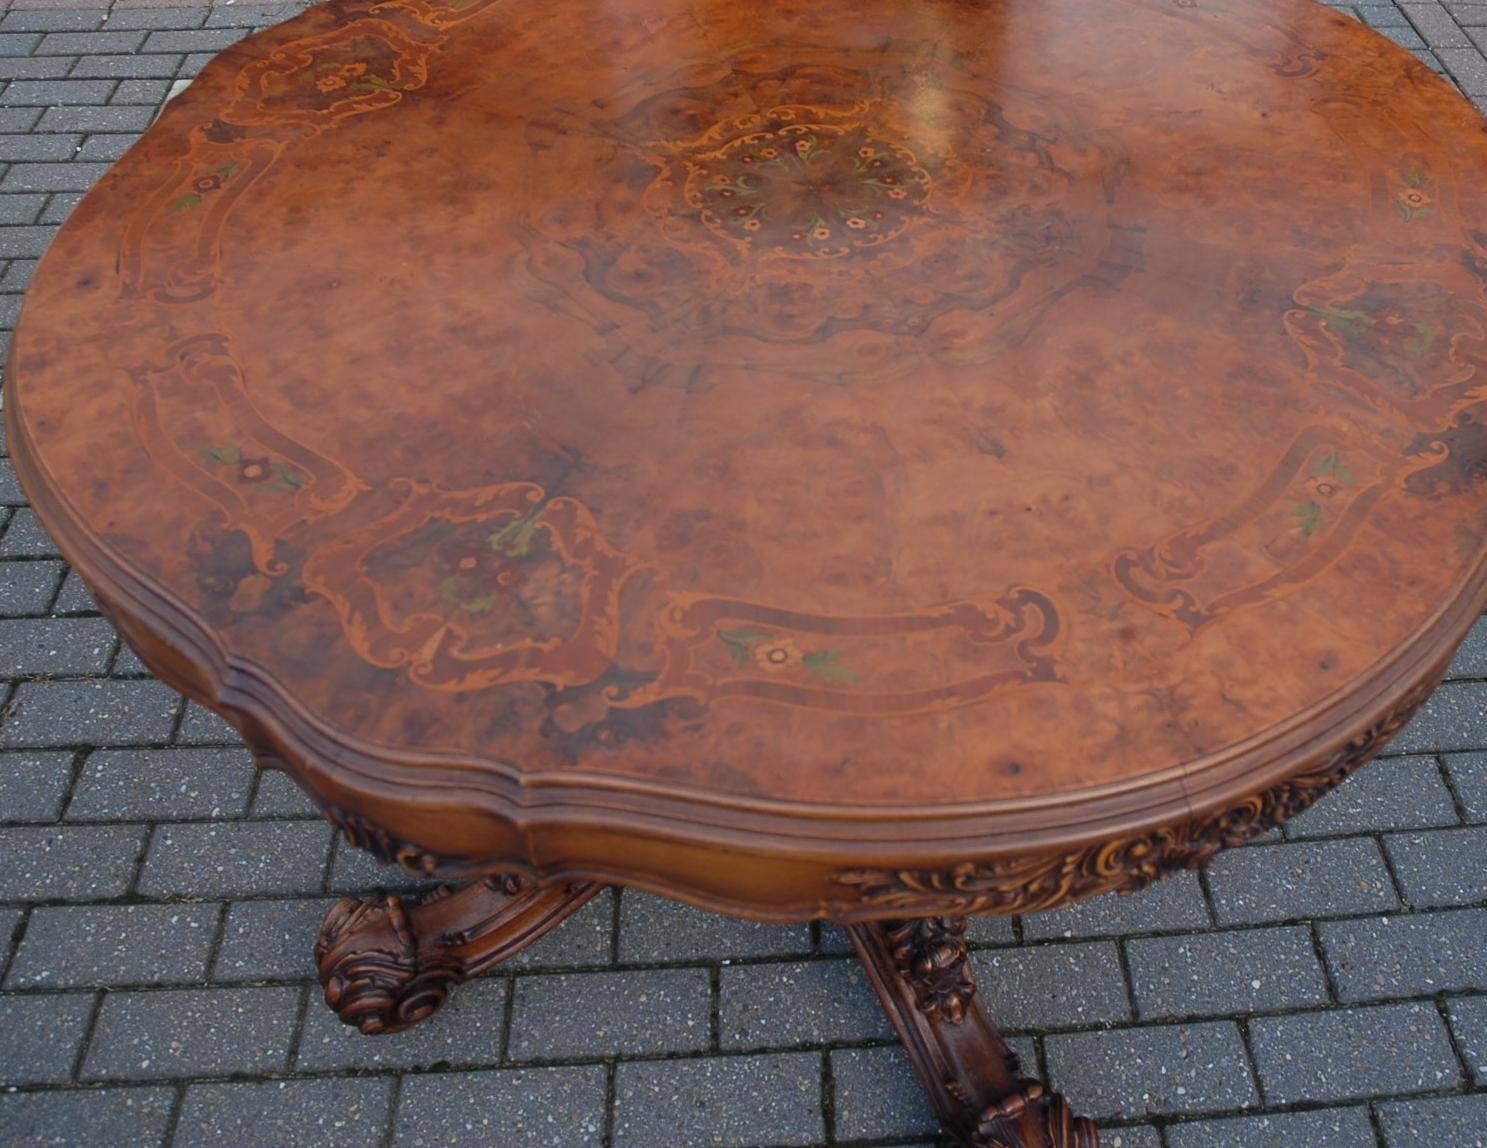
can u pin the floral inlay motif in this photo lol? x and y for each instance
(1326, 477)
(1396, 333)
(789, 183)
(776, 653)
(1415, 201)
(202, 185)
(264, 473)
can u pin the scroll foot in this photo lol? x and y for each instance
(387, 962)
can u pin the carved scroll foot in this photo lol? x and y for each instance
(387, 962)
(922, 973)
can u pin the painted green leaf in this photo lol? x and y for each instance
(1331, 463)
(515, 538)
(1341, 315)
(827, 665)
(1426, 341)
(375, 82)
(228, 455)
(449, 592)
(284, 479)
(740, 643)
(185, 203)
(1309, 516)
(1416, 179)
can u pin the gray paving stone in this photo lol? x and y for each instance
(81, 119)
(127, 664)
(183, 17)
(1391, 793)
(270, 940)
(195, 40)
(1176, 903)
(68, 863)
(40, 1036)
(94, 945)
(279, 796)
(1454, 717)
(1403, 35)
(525, 1108)
(1458, 1121)
(1226, 972)
(1130, 1136)
(33, 785)
(27, 587)
(54, 646)
(1468, 13)
(1324, 1128)
(1412, 954)
(1148, 1071)
(1470, 660)
(565, 1015)
(1311, 878)
(58, 207)
(584, 939)
(1434, 23)
(251, 15)
(779, 1005)
(150, 93)
(1469, 776)
(330, 1113)
(173, 1033)
(1441, 867)
(1352, 1053)
(1468, 68)
(105, 148)
(71, 176)
(726, 1102)
(35, 149)
(9, 920)
(90, 713)
(201, 726)
(52, 21)
(75, 597)
(125, 67)
(157, 784)
(136, 1117)
(88, 43)
(35, 67)
(56, 93)
(19, 119)
(24, 536)
(234, 859)
(878, 1096)
(1469, 1023)
(1053, 986)
(18, 44)
(654, 929)
(465, 1032)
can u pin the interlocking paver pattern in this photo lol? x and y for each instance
(158, 897)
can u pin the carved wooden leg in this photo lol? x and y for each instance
(922, 973)
(387, 962)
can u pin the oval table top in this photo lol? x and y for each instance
(612, 437)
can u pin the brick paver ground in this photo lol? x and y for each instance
(1326, 986)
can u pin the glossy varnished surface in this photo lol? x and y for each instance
(856, 409)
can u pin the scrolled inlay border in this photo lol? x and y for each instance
(1024, 884)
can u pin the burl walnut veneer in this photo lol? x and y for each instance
(880, 461)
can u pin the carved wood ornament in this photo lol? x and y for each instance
(810, 460)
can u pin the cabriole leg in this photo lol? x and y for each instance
(922, 973)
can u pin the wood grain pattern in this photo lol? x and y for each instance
(733, 451)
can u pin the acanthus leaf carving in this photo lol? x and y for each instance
(931, 955)
(1032, 882)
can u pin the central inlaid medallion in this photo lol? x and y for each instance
(799, 181)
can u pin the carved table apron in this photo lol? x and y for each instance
(878, 462)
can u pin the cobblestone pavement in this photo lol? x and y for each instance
(1323, 987)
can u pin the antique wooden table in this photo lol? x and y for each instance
(878, 462)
